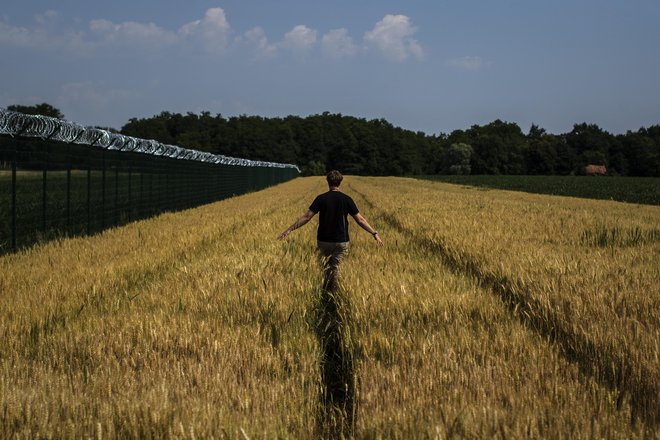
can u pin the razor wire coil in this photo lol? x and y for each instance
(48, 128)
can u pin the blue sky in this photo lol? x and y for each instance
(432, 66)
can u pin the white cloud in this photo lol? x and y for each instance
(300, 39)
(41, 37)
(467, 63)
(212, 30)
(337, 43)
(392, 36)
(130, 33)
(47, 17)
(211, 33)
(21, 36)
(257, 37)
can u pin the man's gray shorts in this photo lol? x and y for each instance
(332, 253)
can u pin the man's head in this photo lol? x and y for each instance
(334, 178)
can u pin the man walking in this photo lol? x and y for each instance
(332, 237)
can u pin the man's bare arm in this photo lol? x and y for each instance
(364, 224)
(298, 223)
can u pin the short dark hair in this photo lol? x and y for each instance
(334, 178)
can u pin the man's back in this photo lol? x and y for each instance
(333, 208)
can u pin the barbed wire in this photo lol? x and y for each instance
(47, 128)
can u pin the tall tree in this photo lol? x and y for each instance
(541, 155)
(498, 148)
(43, 109)
(590, 143)
(457, 159)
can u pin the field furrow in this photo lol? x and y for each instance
(440, 355)
(606, 322)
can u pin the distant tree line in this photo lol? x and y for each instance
(375, 147)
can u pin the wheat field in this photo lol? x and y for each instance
(487, 314)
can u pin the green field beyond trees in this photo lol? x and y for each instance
(643, 190)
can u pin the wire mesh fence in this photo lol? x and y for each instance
(80, 184)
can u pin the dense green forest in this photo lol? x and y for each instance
(353, 145)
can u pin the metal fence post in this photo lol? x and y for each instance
(130, 172)
(141, 199)
(159, 194)
(102, 189)
(68, 189)
(44, 191)
(161, 174)
(13, 198)
(117, 213)
(188, 193)
(167, 200)
(152, 205)
(89, 191)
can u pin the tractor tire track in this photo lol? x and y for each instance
(336, 418)
(611, 369)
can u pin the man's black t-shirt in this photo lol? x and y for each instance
(334, 207)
